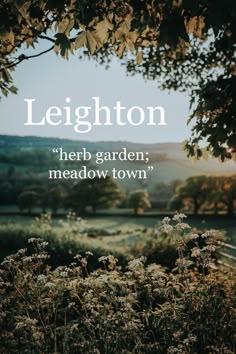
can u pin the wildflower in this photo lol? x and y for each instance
(49, 285)
(166, 220)
(104, 278)
(136, 263)
(195, 252)
(143, 259)
(41, 278)
(34, 239)
(78, 257)
(88, 253)
(193, 236)
(63, 274)
(166, 228)
(182, 226)
(205, 235)
(192, 338)
(102, 259)
(7, 261)
(179, 217)
(22, 252)
(84, 262)
(211, 248)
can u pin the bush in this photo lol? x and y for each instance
(163, 244)
(143, 309)
(63, 243)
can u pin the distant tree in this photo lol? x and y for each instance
(176, 202)
(95, 193)
(11, 173)
(195, 191)
(28, 200)
(55, 198)
(163, 193)
(7, 193)
(139, 200)
(224, 193)
(42, 192)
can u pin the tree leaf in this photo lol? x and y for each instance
(196, 26)
(62, 26)
(13, 89)
(64, 43)
(102, 28)
(91, 42)
(139, 57)
(120, 50)
(80, 40)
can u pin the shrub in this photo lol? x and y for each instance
(63, 243)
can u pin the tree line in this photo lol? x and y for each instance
(206, 193)
(197, 194)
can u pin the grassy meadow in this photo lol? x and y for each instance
(111, 282)
(118, 233)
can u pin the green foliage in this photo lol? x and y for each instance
(209, 193)
(162, 194)
(95, 193)
(64, 242)
(186, 45)
(142, 309)
(27, 200)
(56, 196)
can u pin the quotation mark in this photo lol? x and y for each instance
(55, 150)
(150, 168)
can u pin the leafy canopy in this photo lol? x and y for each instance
(187, 45)
(206, 192)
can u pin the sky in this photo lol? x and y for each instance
(49, 80)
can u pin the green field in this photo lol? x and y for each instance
(128, 225)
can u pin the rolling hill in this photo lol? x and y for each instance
(169, 161)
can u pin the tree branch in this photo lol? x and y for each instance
(23, 57)
(53, 40)
(47, 38)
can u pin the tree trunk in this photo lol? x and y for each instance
(195, 206)
(230, 207)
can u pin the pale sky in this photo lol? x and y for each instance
(50, 80)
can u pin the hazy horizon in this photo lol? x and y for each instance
(91, 141)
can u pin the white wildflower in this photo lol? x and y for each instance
(136, 263)
(63, 274)
(195, 252)
(41, 278)
(88, 253)
(78, 257)
(193, 236)
(211, 248)
(179, 217)
(102, 259)
(50, 285)
(182, 226)
(84, 262)
(166, 220)
(166, 228)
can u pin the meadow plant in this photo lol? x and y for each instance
(143, 308)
